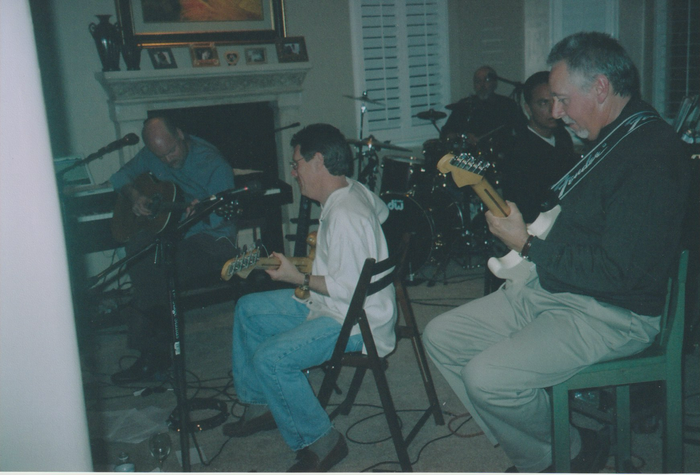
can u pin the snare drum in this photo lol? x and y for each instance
(400, 174)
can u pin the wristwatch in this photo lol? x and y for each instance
(526, 248)
(307, 279)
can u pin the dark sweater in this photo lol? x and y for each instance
(532, 167)
(617, 237)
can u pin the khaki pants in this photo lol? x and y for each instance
(499, 352)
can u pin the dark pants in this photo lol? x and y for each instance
(198, 263)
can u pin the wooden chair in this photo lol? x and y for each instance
(662, 361)
(362, 362)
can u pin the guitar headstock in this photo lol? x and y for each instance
(465, 168)
(241, 265)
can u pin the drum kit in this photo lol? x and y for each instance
(445, 221)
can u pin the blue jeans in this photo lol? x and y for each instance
(272, 344)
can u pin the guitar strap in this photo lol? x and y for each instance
(574, 176)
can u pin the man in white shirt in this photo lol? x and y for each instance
(276, 336)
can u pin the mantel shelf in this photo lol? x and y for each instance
(125, 87)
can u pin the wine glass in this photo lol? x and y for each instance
(159, 445)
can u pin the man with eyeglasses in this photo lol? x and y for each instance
(277, 335)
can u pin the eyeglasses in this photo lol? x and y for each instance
(295, 164)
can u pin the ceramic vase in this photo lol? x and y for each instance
(108, 41)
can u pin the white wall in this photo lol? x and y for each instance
(43, 425)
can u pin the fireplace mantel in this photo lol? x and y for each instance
(203, 84)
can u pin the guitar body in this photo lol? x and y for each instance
(467, 170)
(512, 267)
(163, 195)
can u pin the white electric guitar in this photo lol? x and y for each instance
(468, 170)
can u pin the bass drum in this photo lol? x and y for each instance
(434, 223)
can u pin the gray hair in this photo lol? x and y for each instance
(589, 54)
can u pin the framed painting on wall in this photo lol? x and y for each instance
(154, 23)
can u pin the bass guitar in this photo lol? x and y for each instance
(467, 170)
(165, 203)
(244, 264)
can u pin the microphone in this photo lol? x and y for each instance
(128, 139)
(295, 124)
(507, 81)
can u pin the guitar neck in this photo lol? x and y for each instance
(466, 170)
(301, 263)
(491, 198)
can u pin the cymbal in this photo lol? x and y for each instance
(371, 142)
(431, 115)
(363, 98)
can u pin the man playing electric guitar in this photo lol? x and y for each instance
(598, 283)
(196, 169)
(277, 335)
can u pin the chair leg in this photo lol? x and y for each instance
(345, 406)
(561, 440)
(427, 381)
(392, 419)
(330, 381)
(623, 457)
(673, 426)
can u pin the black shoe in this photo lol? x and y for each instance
(245, 427)
(144, 368)
(309, 461)
(595, 447)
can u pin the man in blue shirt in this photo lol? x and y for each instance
(197, 168)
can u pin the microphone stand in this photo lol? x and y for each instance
(165, 245)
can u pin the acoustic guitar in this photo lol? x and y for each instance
(244, 264)
(467, 170)
(166, 207)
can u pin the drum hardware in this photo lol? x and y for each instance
(433, 116)
(374, 144)
(364, 98)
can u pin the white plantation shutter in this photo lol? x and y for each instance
(402, 64)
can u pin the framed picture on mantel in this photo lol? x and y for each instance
(156, 23)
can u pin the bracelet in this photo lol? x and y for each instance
(526, 248)
(307, 279)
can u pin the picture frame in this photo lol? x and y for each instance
(255, 56)
(291, 49)
(162, 58)
(149, 23)
(232, 57)
(204, 54)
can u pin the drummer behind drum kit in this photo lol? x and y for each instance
(443, 219)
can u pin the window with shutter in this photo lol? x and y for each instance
(402, 63)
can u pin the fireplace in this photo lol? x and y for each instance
(271, 94)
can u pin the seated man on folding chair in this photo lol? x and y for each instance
(595, 288)
(276, 335)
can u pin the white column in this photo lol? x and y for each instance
(43, 425)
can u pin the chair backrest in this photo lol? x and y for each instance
(670, 337)
(392, 267)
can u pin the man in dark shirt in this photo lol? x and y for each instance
(541, 154)
(596, 285)
(199, 171)
(484, 119)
